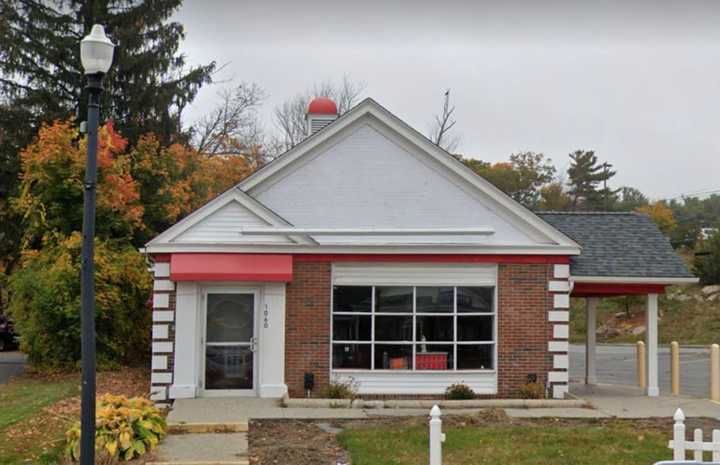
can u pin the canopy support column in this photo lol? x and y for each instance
(651, 343)
(591, 304)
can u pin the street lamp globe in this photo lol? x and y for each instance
(96, 51)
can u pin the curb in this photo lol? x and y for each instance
(427, 404)
(234, 462)
(185, 428)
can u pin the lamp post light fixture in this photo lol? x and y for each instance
(96, 53)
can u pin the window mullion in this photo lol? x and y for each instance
(414, 326)
(455, 337)
(372, 329)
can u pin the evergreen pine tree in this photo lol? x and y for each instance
(148, 86)
(41, 77)
(585, 175)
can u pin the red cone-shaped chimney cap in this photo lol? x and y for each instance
(322, 106)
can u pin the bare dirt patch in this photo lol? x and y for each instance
(294, 442)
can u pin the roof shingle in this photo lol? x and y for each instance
(618, 245)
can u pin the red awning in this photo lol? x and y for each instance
(615, 289)
(230, 267)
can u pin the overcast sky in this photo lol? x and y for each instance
(638, 82)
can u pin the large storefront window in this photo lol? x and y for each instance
(413, 327)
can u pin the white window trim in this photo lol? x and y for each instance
(372, 342)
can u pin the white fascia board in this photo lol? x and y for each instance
(369, 106)
(393, 248)
(234, 194)
(460, 231)
(631, 280)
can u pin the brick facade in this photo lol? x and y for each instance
(524, 330)
(307, 326)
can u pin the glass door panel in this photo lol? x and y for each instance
(230, 341)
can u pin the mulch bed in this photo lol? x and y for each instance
(295, 442)
(303, 442)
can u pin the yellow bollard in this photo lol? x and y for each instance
(675, 367)
(715, 373)
(641, 365)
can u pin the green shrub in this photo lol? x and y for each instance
(459, 392)
(45, 304)
(125, 429)
(341, 390)
(707, 262)
(532, 391)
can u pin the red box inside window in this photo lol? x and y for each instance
(431, 361)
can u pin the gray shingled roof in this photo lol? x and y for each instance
(618, 244)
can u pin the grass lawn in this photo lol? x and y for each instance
(539, 443)
(22, 434)
(35, 411)
(24, 396)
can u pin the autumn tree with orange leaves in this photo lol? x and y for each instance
(141, 191)
(51, 186)
(176, 180)
(661, 214)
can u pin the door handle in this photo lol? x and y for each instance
(253, 344)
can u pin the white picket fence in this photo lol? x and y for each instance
(437, 437)
(680, 445)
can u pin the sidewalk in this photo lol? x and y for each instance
(606, 400)
(630, 402)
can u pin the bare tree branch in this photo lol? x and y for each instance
(233, 127)
(442, 125)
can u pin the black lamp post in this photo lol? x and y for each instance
(96, 52)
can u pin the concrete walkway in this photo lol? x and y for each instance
(629, 402)
(212, 414)
(606, 401)
(237, 410)
(203, 449)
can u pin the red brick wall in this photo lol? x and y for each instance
(523, 328)
(307, 333)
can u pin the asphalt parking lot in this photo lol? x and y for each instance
(616, 365)
(11, 363)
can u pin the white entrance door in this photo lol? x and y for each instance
(230, 343)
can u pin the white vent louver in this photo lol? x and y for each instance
(318, 122)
